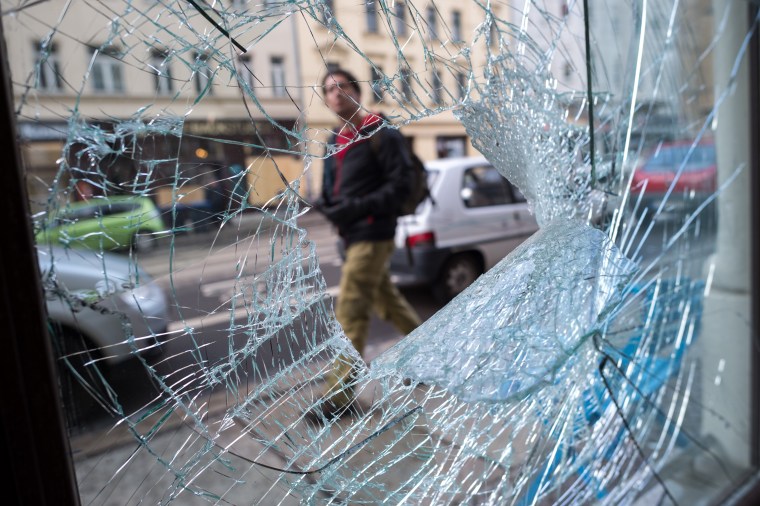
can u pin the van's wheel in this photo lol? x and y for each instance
(459, 272)
(75, 353)
(143, 241)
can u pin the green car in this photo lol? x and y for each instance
(104, 223)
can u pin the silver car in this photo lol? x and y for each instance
(114, 305)
(474, 218)
(102, 310)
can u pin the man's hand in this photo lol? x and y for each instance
(344, 212)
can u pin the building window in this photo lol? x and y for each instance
(400, 18)
(107, 75)
(461, 85)
(450, 147)
(371, 6)
(406, 83)
(245, 72)
(437, 88)
(456, 26)
(203, 75)
(376, 76)
(327, 11)
(49, 74)
(432, 22)
(493, 34)
(161, 72)
(278, 76)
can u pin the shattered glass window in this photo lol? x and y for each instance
(400, 13)
(372, 16)
(163, 77)
(174, 154)
(107, 69)
(456, 26)
(49, 70)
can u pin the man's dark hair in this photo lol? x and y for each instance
(348, 76)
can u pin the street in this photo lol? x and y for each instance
(205, 274)
(200, 272)
(208, 272)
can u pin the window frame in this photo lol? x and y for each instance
(50, 80)
(750, 494)
(406, 83)
(375, 76)
(277, 70)
(437, 85)
(431, 18)
(493, 34)
(162, 80)
(244, 68)
(43, 470)
(111, 70)
(456, 26)
(400, 13)
(462, 85)
(445, 141)
(370, 7)
(201, 80)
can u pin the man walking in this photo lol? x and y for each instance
(364, 184)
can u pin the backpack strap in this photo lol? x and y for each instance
(374, 143)
(329, 170)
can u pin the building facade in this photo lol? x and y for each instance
(415, 67)
(175, 104)
(148, 114)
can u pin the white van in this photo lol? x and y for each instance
(474, 218)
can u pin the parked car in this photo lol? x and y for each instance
(104, 223)
(474, 218)
(608, 192)
(102, 310)
(654, 177)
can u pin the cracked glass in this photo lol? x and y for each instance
(174, 153)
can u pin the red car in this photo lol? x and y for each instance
(690, 171)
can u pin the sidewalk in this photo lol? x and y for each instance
(114, 467)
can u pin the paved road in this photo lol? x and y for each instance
(200, 274)
(208, 269)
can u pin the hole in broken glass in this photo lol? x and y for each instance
(563, 375)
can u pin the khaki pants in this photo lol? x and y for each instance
(365, 285)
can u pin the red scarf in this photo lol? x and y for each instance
(344, 138)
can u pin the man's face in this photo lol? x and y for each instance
(341, 97)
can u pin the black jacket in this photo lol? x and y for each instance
(375, 179)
